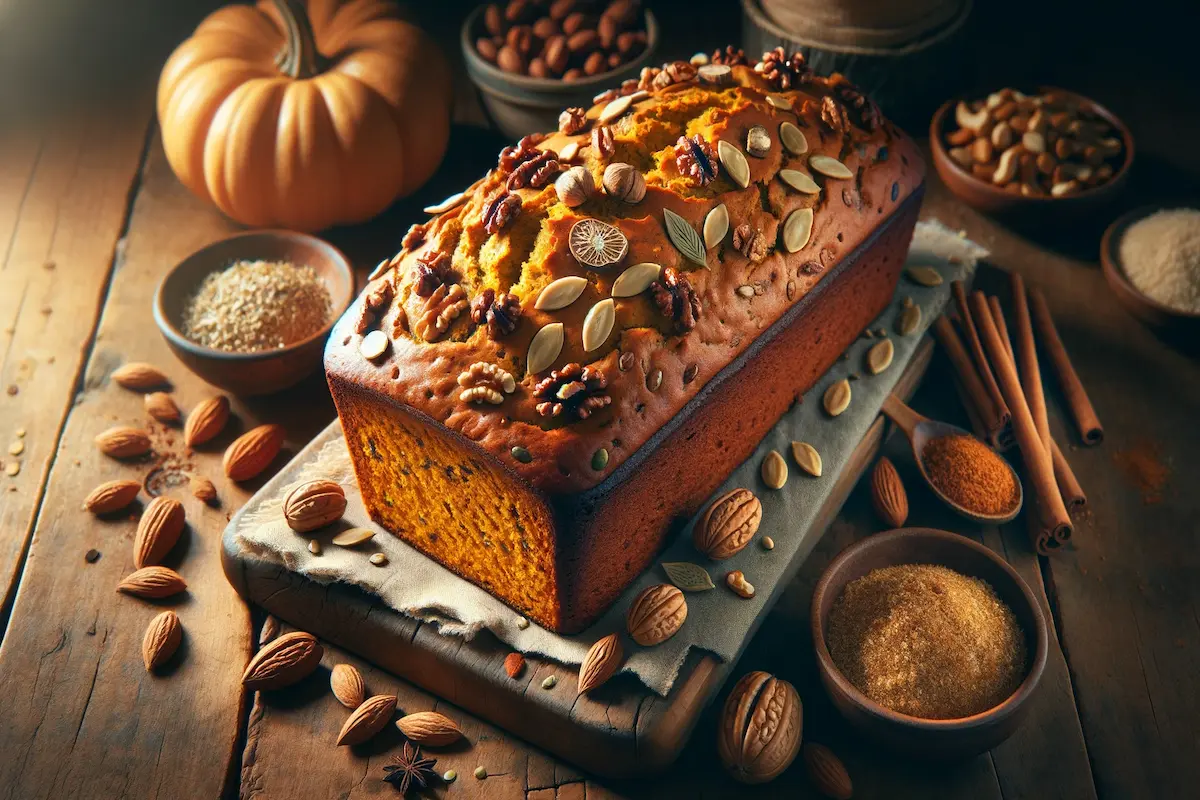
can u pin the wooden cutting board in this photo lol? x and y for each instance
(618, 730)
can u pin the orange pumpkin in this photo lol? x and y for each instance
(305, 114)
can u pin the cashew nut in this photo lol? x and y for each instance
(1007, 169)
(968, 119)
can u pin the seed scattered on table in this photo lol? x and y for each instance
(768, 543)
(12, 469)
(522, 623)
(379, 559)
(550, 682)
(314, 547)
(16, 448)
(254, 306)
(480, 773)
(92, 556)
(449, 776)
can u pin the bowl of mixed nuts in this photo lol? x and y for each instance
(533, 58)
(1008, 150)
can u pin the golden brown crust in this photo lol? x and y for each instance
(652, 369)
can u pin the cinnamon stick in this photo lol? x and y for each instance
(964, 367)
(1027, 361)
(1056, 524)
(1068, 485)
(975, 347)
(1077, 399)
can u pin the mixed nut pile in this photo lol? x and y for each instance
(1046, 145)
(563, 39)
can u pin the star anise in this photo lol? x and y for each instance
(676, 300)
(431, 271)
(410, 770)
(500, 211)
(573, 391)
(731, 56)
(696, 159)
(750, 242)
(500, 312)
(781, 71)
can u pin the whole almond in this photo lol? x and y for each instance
(887, 493)
(162, 639)
(728, 525)
(111, 496)
(160, 406)
(139, 376)
(253, 451)
(206, 421)
(429, 728)
(123, 442)
(601, 663)
(656, 614)
(347, 685)
(153, 583)
(314, 504)
(203, 489)
(826, 772)
(367, 720)
(283, 661)
(774, 470)
(158, 531)
(760, 727)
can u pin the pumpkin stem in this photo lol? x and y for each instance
(299, 57)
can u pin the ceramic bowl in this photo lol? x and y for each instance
(519, 104)
(1169, 322)
(924, 738)
(271, 370)
(991, 199)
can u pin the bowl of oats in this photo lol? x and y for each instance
(250, 313)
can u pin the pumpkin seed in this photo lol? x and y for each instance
(779, 101)
(799, 181)
(879, 357)
(378, 559)
(597, 244)
(734, 162)
(807, 457)
(521, 454)
(598, 324)
(758, 141)
(716, 74)
(314, 547)
(636, 279)
(600, 459)
(716, 225)
(686, 240)
(745, 290)
(793, 139)
(353, 536)
(453, 201)
(545, 347)
(837, 398)
(614, 110)
(549, 683)
(926, 276)
(654, 380)
(797, 229)
(688, 576)
(561, 293)
(569, 151)
(774, 470)
(373, 345)
(830, 167)
(908, 320)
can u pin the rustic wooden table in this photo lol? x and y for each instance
(91, 216)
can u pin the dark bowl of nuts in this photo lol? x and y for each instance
(250, 313)
(531, 59)
(1014, 153)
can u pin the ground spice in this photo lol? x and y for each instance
(1161, 257)
(1141, 463)
(971, 474)
(257, 305)
(925, 641)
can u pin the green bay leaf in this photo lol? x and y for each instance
(685, 239)
(688, 576)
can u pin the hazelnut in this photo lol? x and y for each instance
(624, 182)
(575, 186)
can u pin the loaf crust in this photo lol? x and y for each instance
(556, 514)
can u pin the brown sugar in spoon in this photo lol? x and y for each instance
(920, 431)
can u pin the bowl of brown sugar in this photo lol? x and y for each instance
(928, 641)
(250, 313)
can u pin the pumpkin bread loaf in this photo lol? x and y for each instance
(564, 362)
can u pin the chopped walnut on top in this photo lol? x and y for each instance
(439, 310)
(676, 300)
(869, 116)
(731, 56)
(572, 121)
(833, 114)
(696, 159)
(535, 172)
(672, 73)
(602, 141)
(432, 270)
(500, 211)
(750, 242)
(573, 391)
(485, 383)
(500, 312)
(415, 236)
(526, 148)
(782, 71)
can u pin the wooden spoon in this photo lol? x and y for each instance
(920, 430)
